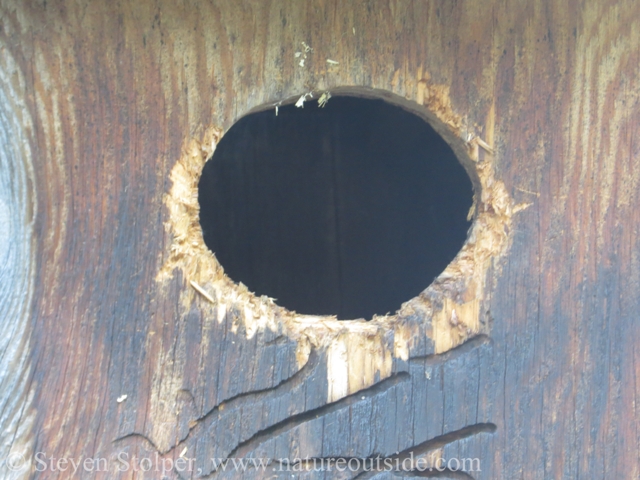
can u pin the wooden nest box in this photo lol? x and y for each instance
(269, 239)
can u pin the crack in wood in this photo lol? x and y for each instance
(290, 423)
(279, 340)
(434, 444)
(237, 401)
(417, 451)
(231, 405)
(440, 358)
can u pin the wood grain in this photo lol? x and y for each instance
(17, 264)
(106, 96)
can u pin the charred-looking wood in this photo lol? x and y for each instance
(127, 338)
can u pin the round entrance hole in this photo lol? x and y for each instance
(347, 210)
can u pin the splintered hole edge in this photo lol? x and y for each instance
(350, 209)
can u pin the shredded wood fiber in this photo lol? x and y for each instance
(359, 352)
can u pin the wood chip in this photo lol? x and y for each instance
(302, 99)
(324, 98)
(202, 291)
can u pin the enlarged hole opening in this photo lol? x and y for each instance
(347, 210)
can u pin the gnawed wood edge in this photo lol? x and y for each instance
(17, 266)
(359, 353)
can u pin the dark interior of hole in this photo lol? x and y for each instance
(350, 210)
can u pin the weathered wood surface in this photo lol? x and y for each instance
(97, 101)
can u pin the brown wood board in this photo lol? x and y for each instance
(101, 99)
